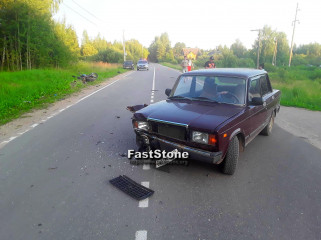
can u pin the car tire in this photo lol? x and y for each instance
(268, 129)
(232, 156)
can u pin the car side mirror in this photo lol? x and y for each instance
(168, 91)
(257, 101)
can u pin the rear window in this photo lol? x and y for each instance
(142, 62)
(128, 62)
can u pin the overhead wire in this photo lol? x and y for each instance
(80, 14)
(86, 10)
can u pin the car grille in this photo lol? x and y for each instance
(169, 130)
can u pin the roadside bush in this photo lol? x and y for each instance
(269, 67)
(245, 63)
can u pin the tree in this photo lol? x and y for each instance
(159, 48)
(238, 49)
(88, 50)
(29, 38)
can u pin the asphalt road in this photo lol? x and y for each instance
(54, 180)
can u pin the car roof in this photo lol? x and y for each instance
(228, 72)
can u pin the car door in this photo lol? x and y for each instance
(267, 95)
(257, 113)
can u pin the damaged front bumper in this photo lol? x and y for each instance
(148, 140)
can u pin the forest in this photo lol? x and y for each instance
(38, 56)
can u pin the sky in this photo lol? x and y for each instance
(204, 23)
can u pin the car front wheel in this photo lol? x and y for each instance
(232, 156)
(268, 129)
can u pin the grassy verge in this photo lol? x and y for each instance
(300, 86)
(171, 65)
(25, 90)
(299, 93)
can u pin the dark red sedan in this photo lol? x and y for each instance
(211, 114)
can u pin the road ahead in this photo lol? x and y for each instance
(54, 180)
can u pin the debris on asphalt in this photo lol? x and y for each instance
(123, 154)
(98, 143)
(164, 168)
(52, 168)
(117, 116)
(39, 224)
(109, 165)
(130, 187)
(136, 107)
(32, 185)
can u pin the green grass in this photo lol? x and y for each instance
(25, 90)
(171, 65)
(300, 85)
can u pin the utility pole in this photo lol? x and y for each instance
(275, 51)
(293, 23)
(258, 47)
(124, 45)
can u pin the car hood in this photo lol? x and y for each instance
(196, 114)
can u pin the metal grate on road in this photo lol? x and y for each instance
(131, 187)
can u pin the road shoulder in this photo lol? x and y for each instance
(29, 120)
(300, 122)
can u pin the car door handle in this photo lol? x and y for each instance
(264, 104)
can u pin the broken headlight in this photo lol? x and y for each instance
(141, 125)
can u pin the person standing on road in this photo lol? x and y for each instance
(210, 63)
(185, 64)
(190, 65)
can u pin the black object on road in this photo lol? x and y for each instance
(131, 187)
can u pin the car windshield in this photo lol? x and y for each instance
(142, 62)
(128, 62)
(220, 89)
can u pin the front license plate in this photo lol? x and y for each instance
(164, 161)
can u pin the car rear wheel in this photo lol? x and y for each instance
(232, 156)
(268, 129)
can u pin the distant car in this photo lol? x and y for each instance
(142, 64)
(128, 65)
(211, 114)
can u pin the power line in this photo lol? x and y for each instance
(79, 14)
(86, 10)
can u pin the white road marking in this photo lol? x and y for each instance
(141, 235)
(44, 120)
(144, 203)
(146, 166)
(10, 139)
(153, 88)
